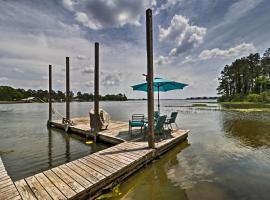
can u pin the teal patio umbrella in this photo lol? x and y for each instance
(161, 85)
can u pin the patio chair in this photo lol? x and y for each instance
(159, 125)
(136, 121)
(171, 120)
(156, 115)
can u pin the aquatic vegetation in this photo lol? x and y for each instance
(114, 193)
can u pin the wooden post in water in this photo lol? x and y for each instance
(67, 91)
(150, 92)
(96, 93)
(50, 96)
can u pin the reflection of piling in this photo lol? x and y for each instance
(50, 95)
(50, 147)
(150, 92)
(67, 140)
(67, 91)
(96, 96)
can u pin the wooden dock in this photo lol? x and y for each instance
(88, 177)
(7, 187)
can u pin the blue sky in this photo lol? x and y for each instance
(193, 40)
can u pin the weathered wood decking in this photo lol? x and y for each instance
(89, 176)
(7, 187)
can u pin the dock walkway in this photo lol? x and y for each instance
(7, 187)
(89, 176)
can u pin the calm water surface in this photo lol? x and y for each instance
(226, 156)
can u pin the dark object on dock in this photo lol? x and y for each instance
(149, 78)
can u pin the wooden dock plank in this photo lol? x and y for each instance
(82, 181)
(92, 179)
(108, 164)
(7, 187)
(5, 183)
(37, 188)
(96, 167)
(61, 185)
(118, 156)
(101, 164)
(24, 190)
(116, 152)
(114, 161)
(10, 194)
(68, 180)
(94, 173)
(49, 187)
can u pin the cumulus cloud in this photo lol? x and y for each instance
(238, 50)
(181, 36)
(162, 60)
(107, 13)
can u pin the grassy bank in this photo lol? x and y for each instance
(246, 106)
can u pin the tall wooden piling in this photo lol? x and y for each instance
(50, 95)
(96, 97)
(67, 91)
(150, 92)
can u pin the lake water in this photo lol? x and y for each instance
(226, 156)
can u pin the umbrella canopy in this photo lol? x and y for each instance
(161, 85)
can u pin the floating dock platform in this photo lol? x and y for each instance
(90, 176)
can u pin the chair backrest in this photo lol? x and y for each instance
(160, 123)
(138, 117)
(173, 117)
(156, 114)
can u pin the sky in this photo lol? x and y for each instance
(193, 41)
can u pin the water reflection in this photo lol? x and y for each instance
(153, 182)
(50, 146)
(249, 131)
(67, 140)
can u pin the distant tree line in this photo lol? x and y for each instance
(8, 93)
(246, 79)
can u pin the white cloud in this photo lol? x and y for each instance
(107, 13)
(162, 60)
(183, 34)
(238, 50)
